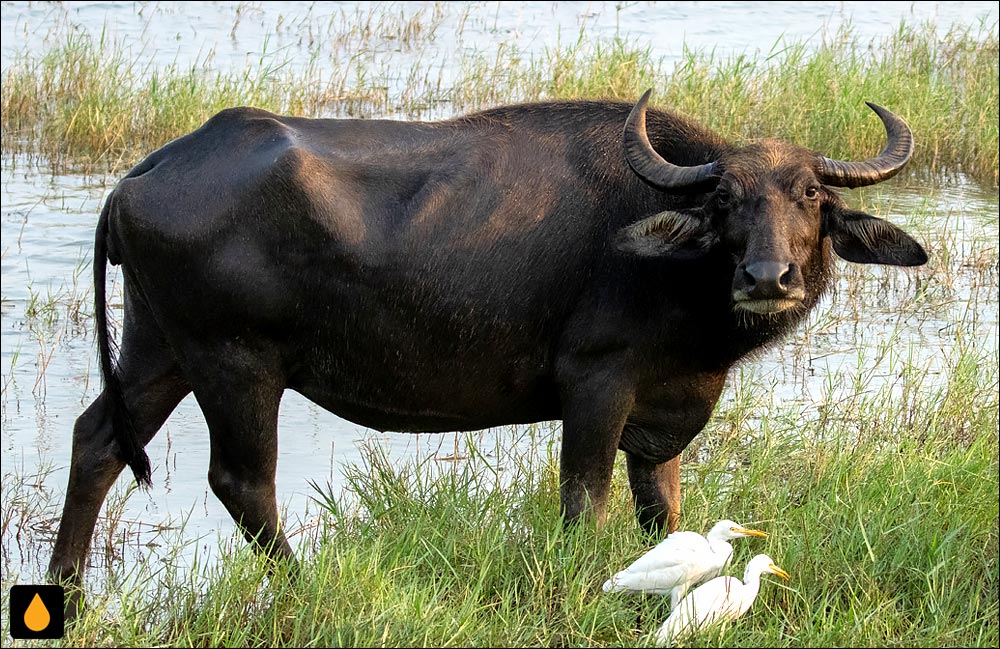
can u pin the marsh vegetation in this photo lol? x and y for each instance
(85, 100)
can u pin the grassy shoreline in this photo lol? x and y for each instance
(85, 103)
(881, 502)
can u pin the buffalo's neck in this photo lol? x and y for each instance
(690, 318)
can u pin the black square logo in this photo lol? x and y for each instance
(36, 612)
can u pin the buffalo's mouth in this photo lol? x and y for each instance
(767, 307)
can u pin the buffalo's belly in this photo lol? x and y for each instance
(433, 344)
(452, 394)
(384, 416)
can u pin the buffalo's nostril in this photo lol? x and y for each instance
(788, 277)
(767, 280)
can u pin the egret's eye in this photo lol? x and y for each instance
(812, 192)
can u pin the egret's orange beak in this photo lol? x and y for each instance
(778, 571)
(747, 532)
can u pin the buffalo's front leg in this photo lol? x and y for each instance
(665, 419)
(656, 492)
(592, 426)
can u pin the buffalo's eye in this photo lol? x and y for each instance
(812, 192)
(723, 196)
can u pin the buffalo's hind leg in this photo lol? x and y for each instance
(240, 399)
(152, 386)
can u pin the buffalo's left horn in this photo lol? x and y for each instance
(650, 165)
(885, 165)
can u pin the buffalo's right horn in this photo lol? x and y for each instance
(650, 165)
(885, 165)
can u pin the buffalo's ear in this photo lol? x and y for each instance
(865, 239)
(676, 235)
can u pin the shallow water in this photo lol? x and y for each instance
(48, 361)
(235, 33)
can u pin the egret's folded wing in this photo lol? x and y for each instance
(677, 549)
(681, 558)
(658, 581)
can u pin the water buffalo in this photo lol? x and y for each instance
(595, 262)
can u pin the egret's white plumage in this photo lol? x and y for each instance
(717, 600)
(680, 561)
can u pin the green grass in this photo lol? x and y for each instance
(881, 503)
(85, 101)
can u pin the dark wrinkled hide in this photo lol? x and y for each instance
(504, 267)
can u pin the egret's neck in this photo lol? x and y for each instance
(751, 586)
(721, 547)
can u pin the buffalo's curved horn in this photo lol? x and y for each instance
(885, 165)
(650, 165)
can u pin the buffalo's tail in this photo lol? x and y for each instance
(123, 428)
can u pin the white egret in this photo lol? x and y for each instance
(680, 561)
(717, 600)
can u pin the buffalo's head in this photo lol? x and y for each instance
(770, 206)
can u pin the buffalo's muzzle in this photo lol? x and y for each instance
(768, 286)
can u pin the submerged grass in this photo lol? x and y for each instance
(85, 100)
(881, 503)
